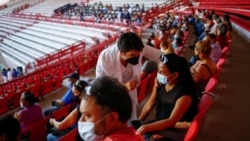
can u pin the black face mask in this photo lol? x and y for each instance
(133, 60)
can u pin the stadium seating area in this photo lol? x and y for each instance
(48, 47)
(42, 38)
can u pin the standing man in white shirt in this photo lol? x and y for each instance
(9, 74)
(124, 63)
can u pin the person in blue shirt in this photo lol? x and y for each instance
(4, 74)
(62, 127)
(68, 97)
(14, 73)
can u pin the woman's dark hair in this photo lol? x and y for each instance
(129, 41)
(218, 20)
(30, 97)
(110, 94)
(179, 64)
(211, 35)
(223, 29)
(80, 85)
(226, 17)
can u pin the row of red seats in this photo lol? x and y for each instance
(38, 131)
(235, 6)
(207, 98)
(57, 56)
(229, 10)
(232, 2)
(40, 83)
(48, 79)
(204, 104)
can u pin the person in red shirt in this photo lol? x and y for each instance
(105, 110)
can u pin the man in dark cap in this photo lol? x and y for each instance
(68, 97)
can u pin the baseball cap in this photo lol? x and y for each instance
(73, 75)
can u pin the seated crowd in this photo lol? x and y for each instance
(103, 110)
(129, 13)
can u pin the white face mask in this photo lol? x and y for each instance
(162, 78)
(86, 130)
(21, 105)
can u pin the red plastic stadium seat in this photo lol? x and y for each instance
(16, 99)
(217, 74)
(192, 130)
(47, 86)
(35, 89)
(220, 62)
(142, 88)
(4, 104)
(37, 131)
(69, 136)
(21, 87)
(10, 92)
(205, 102)
(62, 112)
(224, 52)
(211, 84)
(151, 82)
(58, 82)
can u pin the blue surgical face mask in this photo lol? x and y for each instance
(174, 45)
(176, 36)
(162, 78)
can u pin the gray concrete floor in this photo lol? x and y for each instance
(228, 117)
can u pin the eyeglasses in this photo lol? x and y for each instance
(163, 59)
(107, 102)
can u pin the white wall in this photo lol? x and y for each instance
(244, 33)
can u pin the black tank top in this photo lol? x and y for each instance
(165, 102)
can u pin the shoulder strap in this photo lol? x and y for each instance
(205, 65)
